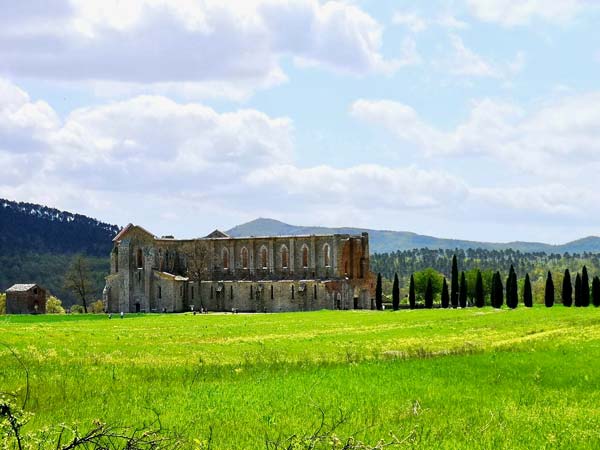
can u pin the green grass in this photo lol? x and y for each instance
(445, 378)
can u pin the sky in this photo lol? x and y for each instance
(471, 119)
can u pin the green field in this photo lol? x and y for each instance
(434, 378)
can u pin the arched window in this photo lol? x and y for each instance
(244, 258)
(140, 259)
(326, 255)
(305, 256)
(285, 257)
(264, 261)
(225, 256)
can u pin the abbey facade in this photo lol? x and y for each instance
(254, 274)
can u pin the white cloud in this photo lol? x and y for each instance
(364, 186)
(464, 62)
(152, 158)
(417, 23)
(511, 13)
(558, 139)
(410, 20)
(235, 46)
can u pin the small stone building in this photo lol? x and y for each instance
(254, 274)
(26, 299)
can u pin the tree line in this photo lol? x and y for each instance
(427, 286)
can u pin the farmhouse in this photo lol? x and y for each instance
(223, 273)
(25, 299)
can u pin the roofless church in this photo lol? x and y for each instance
(254, 274)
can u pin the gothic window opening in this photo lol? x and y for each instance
(285, 257)
(140, 262)
(293, 292)
(251, 293)
(263, 258)
(326, 255)
(305, 256)
(272, 293)
(315, 291)
(225, 255)
(159, 292)
(116, 259)
(244, 258)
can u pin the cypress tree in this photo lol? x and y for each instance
(378, 293)
(493, 291)
(479, 295)
(463, 291)
(512, 291)
(578, 290)
(412, 296)
(396, 293)
(527, 294)
(585, 288)
(454, 283)
(549, 293)
(567, 289)
(429, 294)
(499, 291)
(596, 291)
(508, 299)
(445, 295)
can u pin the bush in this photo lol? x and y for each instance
(2, 304)
(76, 309)
(54, 306)
(96, 307)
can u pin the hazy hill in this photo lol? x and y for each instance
(389, 241)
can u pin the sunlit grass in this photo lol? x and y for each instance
(443, 379)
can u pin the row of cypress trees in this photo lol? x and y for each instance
(457, 297)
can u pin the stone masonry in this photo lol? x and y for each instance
(254, 274)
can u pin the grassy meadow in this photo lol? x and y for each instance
(434, 378)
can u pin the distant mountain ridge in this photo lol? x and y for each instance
(385, 241)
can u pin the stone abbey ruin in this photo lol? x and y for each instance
(252, 274)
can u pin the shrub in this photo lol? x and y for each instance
(54, 306)
(76, 309)
(97, 307)
(2, 304)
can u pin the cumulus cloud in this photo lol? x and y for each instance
(510, 13)
(556, 139)
(160, 43)
(361, 186)
(150, 154)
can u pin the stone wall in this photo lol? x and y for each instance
(26, 302)
(248, 274)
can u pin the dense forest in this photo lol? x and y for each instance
(38, 244)
(436, 265)
(30, 228)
